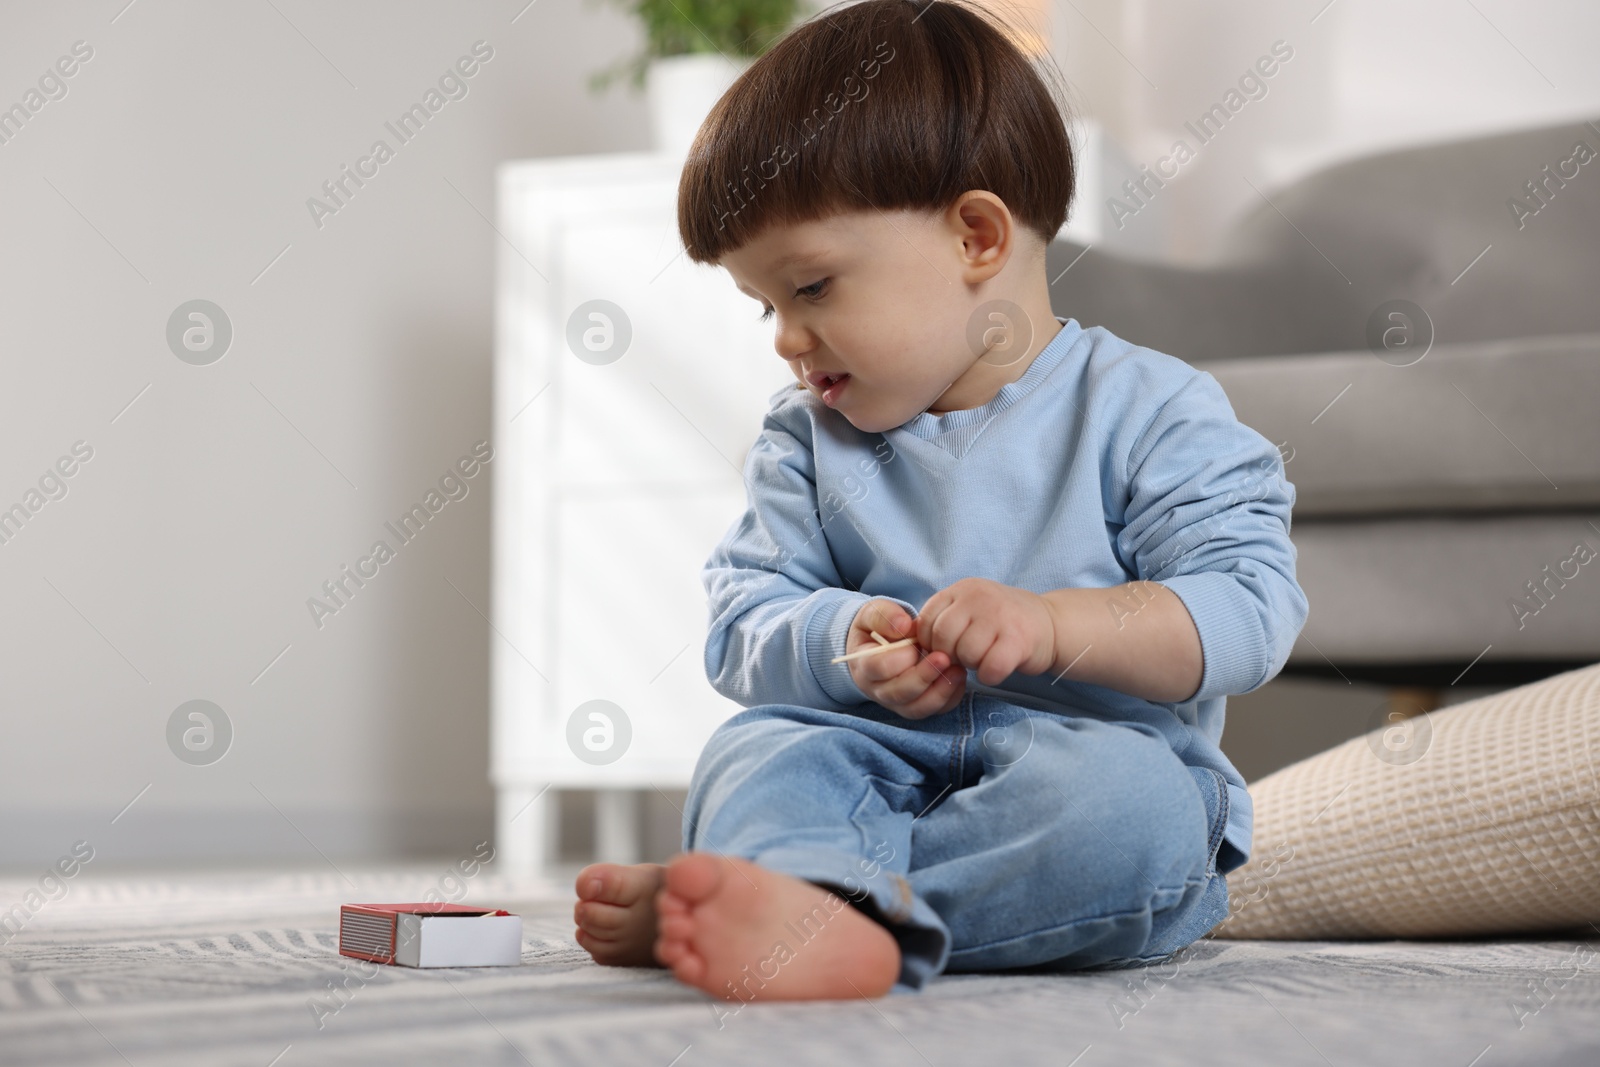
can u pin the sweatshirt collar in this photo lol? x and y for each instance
(928, 426)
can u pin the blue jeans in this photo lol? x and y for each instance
(991, 837)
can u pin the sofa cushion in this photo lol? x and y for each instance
(1480, 818)
(1468, 427)
(1436, 224)
(1440, 589)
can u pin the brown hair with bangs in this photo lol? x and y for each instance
(890, 104)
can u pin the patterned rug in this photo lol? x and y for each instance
(242, 968)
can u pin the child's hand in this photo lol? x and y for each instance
(907, 681)
(988, 627)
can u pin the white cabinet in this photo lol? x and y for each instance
(614, 478)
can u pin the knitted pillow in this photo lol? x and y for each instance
(1482, 817)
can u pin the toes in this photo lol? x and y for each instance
(597, 917)
(606, 953)
(606, 882)
(614, 883)
(668, 952)
(591, 944)
(614, 914)
(694, 876)
(669, 903)
(675, 927)
(688, 968)
(591, 881)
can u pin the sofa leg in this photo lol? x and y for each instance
(1407, 701)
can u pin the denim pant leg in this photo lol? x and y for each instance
(830, 798)
(1204, 905)
(1082, 844)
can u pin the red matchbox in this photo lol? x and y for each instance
(430, 935)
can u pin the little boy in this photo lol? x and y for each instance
(1086, 549)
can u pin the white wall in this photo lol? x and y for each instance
(180, 561)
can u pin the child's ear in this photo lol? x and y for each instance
(987, 233)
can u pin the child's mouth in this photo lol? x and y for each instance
(832, 386)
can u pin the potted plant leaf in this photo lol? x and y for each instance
(694, 49)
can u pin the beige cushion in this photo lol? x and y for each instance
(1482, 817)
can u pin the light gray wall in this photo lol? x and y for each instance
(178, 565)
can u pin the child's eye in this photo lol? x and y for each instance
(811, 292)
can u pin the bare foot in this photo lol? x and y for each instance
(616, 912)
(740, 931)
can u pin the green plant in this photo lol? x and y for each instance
(739, 29)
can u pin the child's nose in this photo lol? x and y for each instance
(791, 339)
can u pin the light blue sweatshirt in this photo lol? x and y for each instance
(1104, 463)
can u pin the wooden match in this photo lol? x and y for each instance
(883, 645)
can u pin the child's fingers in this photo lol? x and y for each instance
(1001, 661)
(885, 665)
(886, 617)
(942, 694)
(911, 685)
(890, 621)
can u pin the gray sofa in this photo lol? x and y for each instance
(1447, 519)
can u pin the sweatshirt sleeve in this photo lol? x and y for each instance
(1208, 517)
(779, 609)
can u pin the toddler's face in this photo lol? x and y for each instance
(871, 309)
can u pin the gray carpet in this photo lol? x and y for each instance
(223, 969)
